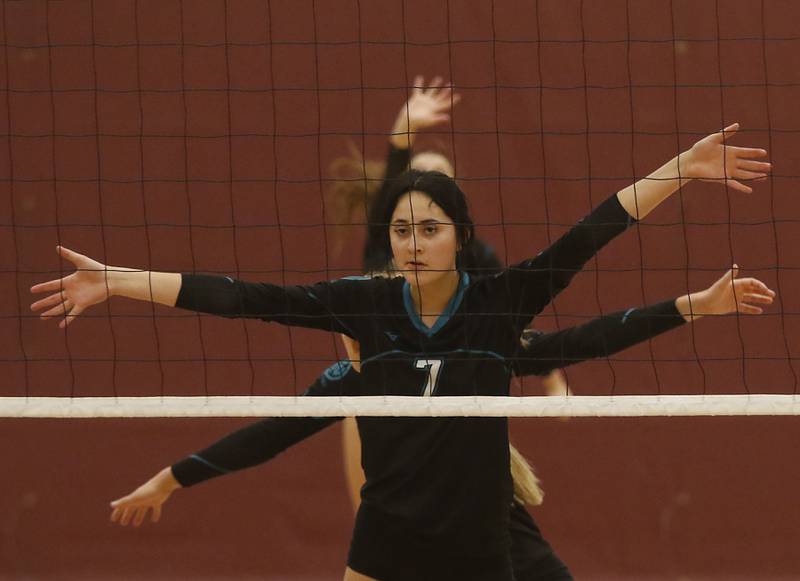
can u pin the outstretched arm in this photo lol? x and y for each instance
(93, 282)
(535, 282)
(249, 446)
(325, 305)
(710, 159)
(610, 334)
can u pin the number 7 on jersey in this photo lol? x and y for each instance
(433, 366)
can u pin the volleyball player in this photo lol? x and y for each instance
(430, 511)
(263, 440)
(532, 557)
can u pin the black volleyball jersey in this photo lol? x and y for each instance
(261, 441)
(438, 477)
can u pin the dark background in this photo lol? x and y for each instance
(198, 135)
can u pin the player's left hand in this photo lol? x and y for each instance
(712, 159)
(731, 294)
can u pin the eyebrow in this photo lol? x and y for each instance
(422, 223)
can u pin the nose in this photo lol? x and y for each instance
(414, 243)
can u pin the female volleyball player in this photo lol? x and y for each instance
(438, 333)
(532, 557)
(362, 183)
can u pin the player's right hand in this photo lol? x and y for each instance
(74, 293)
(147, 498)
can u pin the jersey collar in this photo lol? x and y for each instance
(452, 307)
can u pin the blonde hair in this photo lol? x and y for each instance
(527, 487)
(356, 184)
(357, 181)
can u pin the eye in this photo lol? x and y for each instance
(400, 230)
(430, 229)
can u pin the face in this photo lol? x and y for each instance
(432, 161)
(424, 240)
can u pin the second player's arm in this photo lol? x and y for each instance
(609, 334)
(244, 448)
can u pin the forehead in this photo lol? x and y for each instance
(417, 207)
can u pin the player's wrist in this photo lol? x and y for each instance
(167, 480)
(403, 133)
(692, 306)
(685, 165)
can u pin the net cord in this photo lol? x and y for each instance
(401, 406)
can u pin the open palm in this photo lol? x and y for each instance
(74, 293)
(731, 294)
(149, 497)
(429, 105)
(712, 159)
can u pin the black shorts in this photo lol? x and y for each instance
(388, 553)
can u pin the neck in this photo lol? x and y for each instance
(431, 299)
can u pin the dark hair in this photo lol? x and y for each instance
(441, 189)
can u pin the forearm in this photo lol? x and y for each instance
(540, 279)
(263, 440)
(601, 337)
(250, 446)
(144, 285)
(403, 135)
(642, 197)
(313, 307)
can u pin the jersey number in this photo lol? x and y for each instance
(433, 366)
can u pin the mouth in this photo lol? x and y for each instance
(415, 265)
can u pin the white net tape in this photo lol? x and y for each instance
(273, 406)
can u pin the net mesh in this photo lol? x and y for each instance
(199, 137)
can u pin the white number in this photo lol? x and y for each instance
(433, 366)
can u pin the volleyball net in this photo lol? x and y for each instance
(205, 137)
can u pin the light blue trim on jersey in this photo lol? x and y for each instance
(337, 371)
(209, 464)
(452, 307)
(354, 277)
(626, 315)
(442, 354)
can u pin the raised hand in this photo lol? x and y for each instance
(426, 107)
(148, 497)
(729, 294)
(74, 293)
(712, 159)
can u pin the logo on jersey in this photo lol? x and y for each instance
(337, 371)
(392, 336)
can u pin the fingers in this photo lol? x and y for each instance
(756, 298)
(155, 516)
(727, 133)
(749, 293)
(756, 286)
(417, 85)
(70, 316)
(435, 83)
(747, 152)
(748, 309)
(53, 299)
(49, 286)
(748, 175)
(127, 513)
(757, 166)
(115, 513)
(738, 186)
(58, 310)
(70, 255)
(141, 513)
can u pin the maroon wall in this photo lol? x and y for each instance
(198, 136)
